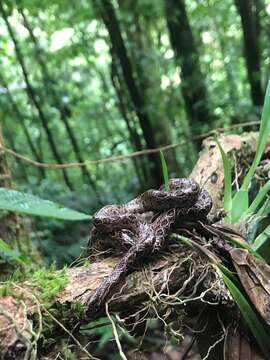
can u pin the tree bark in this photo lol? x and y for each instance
(34, 98)
(108, 15)
(193, 86)
(250, 29)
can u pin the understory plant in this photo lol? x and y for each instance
(244, 211)
(240, 208)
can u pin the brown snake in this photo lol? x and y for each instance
(142, 235)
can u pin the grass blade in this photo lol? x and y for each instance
(164, 171)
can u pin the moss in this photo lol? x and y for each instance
(49, 282)
(78, 308)
(6, 289)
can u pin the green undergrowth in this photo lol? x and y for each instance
(49, 282)
(45, 283)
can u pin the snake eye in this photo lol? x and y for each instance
(96, 221)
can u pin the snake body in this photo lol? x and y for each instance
(141, 235)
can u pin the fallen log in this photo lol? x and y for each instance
(185, 276)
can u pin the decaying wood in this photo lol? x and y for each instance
(208, 171)
(167, 272)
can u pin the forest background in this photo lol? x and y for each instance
(82, 81)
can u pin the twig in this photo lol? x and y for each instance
(125, 156)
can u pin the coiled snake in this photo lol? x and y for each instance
(143, 225)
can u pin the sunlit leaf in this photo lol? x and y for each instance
(239, 205)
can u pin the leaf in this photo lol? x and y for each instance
(254, 275)
(164, 171)
(21, 202)
(263, 135)
(239, 205)
(261, 239)
(259, 198)
(227, 180)
(253, 321)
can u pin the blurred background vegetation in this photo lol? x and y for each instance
(86, 80)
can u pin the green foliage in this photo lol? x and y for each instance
(6, 289)
(7, 253)
(78, 308)
(103, 329)
(239, 207)
(13, 200)
(240, 202)
(261, 239)
(254, 322)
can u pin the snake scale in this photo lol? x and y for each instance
(143, 225)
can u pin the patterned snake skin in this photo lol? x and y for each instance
(142, 235)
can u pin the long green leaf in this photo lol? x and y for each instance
(263, 135)
(20, 202)
(259, 198)
(253, 321)
(261, 239)
(239, 205)
(227, 180)
(256, 326)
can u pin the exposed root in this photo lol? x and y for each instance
(118, 343)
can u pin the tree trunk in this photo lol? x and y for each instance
(63, 109)
(193, 86)
(108, 15)
(34, 98)
(250, 28)
(20, 118)
(146, 73)
(135, 139)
